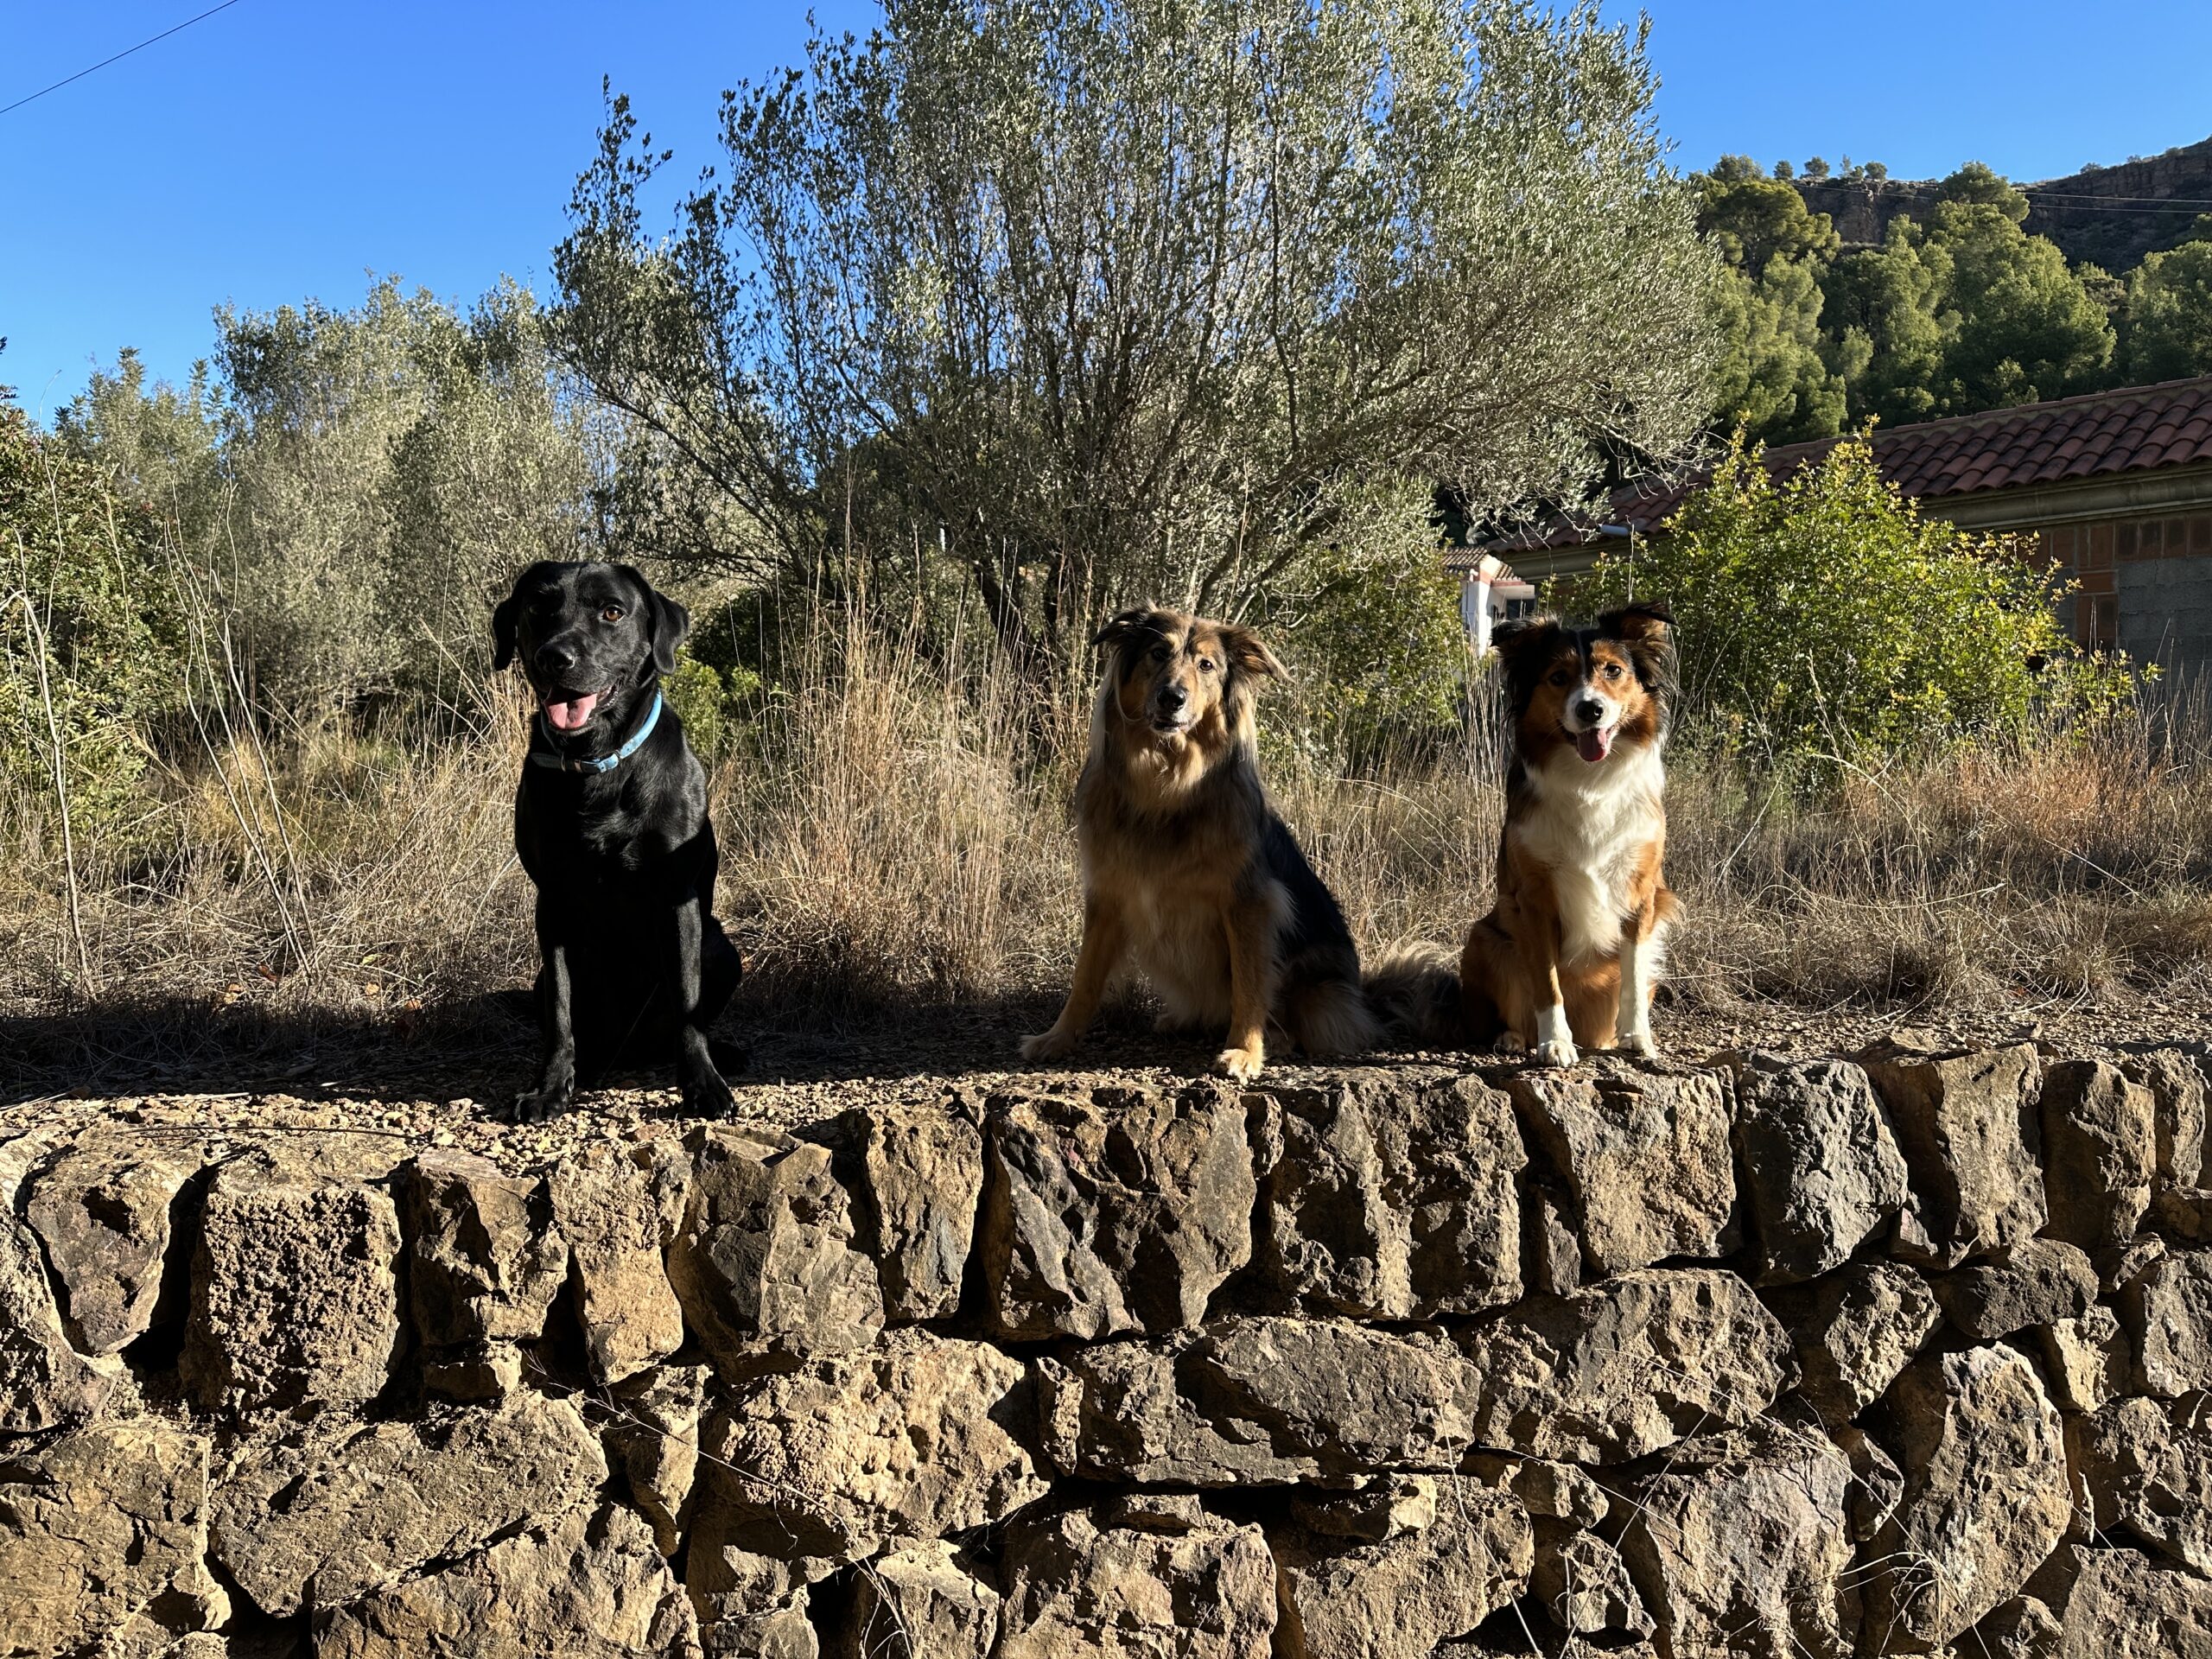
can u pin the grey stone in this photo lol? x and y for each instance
(44, 1382)
(1626, 1368)
(484, 1262)
(1855, 1330)
(2175, 1080)
(2099, 1152)
(1391, 1198)
(919, 1179)
(2167, 1312)
(765, 1263)
(1966, 1124)
(1748, 1533)
(2148, 1467)
(1584, 1584)
(1605, 1133)
(1986, 1495)
(102, 1210)
(2036, 1282)
(1113, 1211)
(1819, 1167)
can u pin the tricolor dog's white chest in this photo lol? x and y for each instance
(1589, 826)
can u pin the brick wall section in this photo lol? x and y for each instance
(2144, 585)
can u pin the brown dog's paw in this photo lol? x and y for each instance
(1240, 1064)
(1053, 1045)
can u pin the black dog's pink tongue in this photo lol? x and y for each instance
(1595, 744)
(569, 715)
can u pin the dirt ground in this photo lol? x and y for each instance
(450, 1086)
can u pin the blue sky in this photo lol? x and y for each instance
(274, 151)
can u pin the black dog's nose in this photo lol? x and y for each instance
(1589, 711)
(553, 657)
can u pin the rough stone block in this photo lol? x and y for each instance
(484, 1261)
(101, 1208)
(44, 1382)
(1966, 1124)
(916, 1181)
(1820, 1169)
(618, 1208)
(1855, 1330)
(2099, 1153)
(1074, 1586)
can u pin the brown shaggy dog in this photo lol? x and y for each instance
(1570, 954)
(1186, 869)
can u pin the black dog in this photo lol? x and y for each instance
(611, 823)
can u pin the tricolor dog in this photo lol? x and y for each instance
(1570, 955)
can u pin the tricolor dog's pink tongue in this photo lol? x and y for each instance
(1595, 744)
(569, 715)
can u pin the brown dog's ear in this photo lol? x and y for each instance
(1250, 654)
(1125, 626)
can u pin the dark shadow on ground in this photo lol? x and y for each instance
(484, 1048)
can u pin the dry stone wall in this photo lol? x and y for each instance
(1907, 1354)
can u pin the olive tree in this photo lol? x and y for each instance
(1127, 298)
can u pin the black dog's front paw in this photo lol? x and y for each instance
(731, 1059)
(555, 1093)
(705, 1094)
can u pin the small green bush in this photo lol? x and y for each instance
(91, 636)
(1823, 620)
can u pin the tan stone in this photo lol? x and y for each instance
(484, 1261)
(1967, 1125)
(2167, 1312)
(1113, 1211)
(104, 1530)
(102, 1210)
(1627, 1367)
(2148, 1467)
(2099, 1152)
(1606, 1132)
(919, 1604)
(44, 1382)
(616, 1209)
(332, 1512)
(654, 1442)
(1390, 1196)
(1073, 1587)
(295, 1286)
(908, 1440)
(581, 1587)
(1820, 1169)
(2126, 1606)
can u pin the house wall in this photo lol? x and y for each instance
(2144, 585)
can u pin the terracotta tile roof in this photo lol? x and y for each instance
(2134, 428)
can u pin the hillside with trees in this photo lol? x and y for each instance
(1958, 307)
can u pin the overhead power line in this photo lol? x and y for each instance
(117, 58)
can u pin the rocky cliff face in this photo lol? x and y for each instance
(2108, 215)
(1902, 1355)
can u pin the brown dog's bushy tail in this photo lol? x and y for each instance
(1413, 990)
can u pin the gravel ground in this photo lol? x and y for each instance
(432, 1089)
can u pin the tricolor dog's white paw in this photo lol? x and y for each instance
(1561, 1051)
(1639, 1043)
(1240, 1064)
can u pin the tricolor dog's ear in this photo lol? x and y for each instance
(1248, 654)
(1524, 646)
(1648, 629)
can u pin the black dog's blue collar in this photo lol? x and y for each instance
(600, 763)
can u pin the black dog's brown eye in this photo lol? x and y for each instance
(612, 614)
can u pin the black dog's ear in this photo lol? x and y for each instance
(507, 616)
(1250, 654)
(1126, 625)
(666, 621)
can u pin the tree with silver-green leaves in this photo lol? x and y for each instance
(1126, 298)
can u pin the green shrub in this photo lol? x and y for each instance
(1824, 619)
(715, 704)
(90, 639)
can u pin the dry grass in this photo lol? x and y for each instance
(894, 833)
